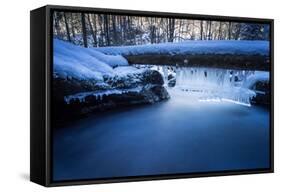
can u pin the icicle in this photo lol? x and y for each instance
(215, 84)
(165, 73)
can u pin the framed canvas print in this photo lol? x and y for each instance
(119, 95)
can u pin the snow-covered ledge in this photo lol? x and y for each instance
(250, 55)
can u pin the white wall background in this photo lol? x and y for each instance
(14, 94)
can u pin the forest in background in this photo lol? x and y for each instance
(99, 30)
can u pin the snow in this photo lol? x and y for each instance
(83, 63)
(193, 47)
(125, 70)
(94, 63)
(69, 67)
(211, 84)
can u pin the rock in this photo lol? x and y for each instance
(70, 86)
(171, 76)
(91, 96)
(171, 80)
(172, 83)
(124, 82)
(160, 92)
(152, 77)
(262, 90)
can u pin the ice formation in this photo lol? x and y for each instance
(99, 94)
(211, 84)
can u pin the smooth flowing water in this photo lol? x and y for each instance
(181, 135)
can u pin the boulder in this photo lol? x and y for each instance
(262, 90)
(73, 98)
(152, 77)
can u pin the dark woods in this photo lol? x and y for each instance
(98, 30)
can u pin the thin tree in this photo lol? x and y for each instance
(57, 17)
(210, 30)
(84, 30)
(171, 29)
(101, 31)
(229, 30)
(92, 30)
(106, 30)
(66, 27)
(192, 36)
(219, 35)
(152, 29)
(72, 26)
(201, 30)
(180, 30)
(114, 29)
(237, 31)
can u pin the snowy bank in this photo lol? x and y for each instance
(82, 63)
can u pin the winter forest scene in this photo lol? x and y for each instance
(144, 95)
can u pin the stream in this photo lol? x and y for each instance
(180, 135)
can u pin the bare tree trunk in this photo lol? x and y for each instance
(114, 29)
(192, 37)
(94, 22)
(100, 23)
(180, 30)
(72, 26)
(66, 27)
(171, 24)
(152, 30)
(152, 35)
(201, 30)
(57, 25)
(124, 28)
(238, 31)
(206, 30)
(84, 30)
(229, 32)
(92, 30)
(210, 30)
(121, 29)
(106, 30)
(219, 35)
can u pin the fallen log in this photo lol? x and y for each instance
(246, 55)
(227, 61)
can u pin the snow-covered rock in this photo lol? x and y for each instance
(71, 61)
(85, 80)
(74, 97)
(258, 76)
(146, 85)
(259, 83)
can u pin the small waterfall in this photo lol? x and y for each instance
(211, 84)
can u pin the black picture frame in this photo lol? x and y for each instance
(41, 54)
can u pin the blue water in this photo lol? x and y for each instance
(180, 135)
